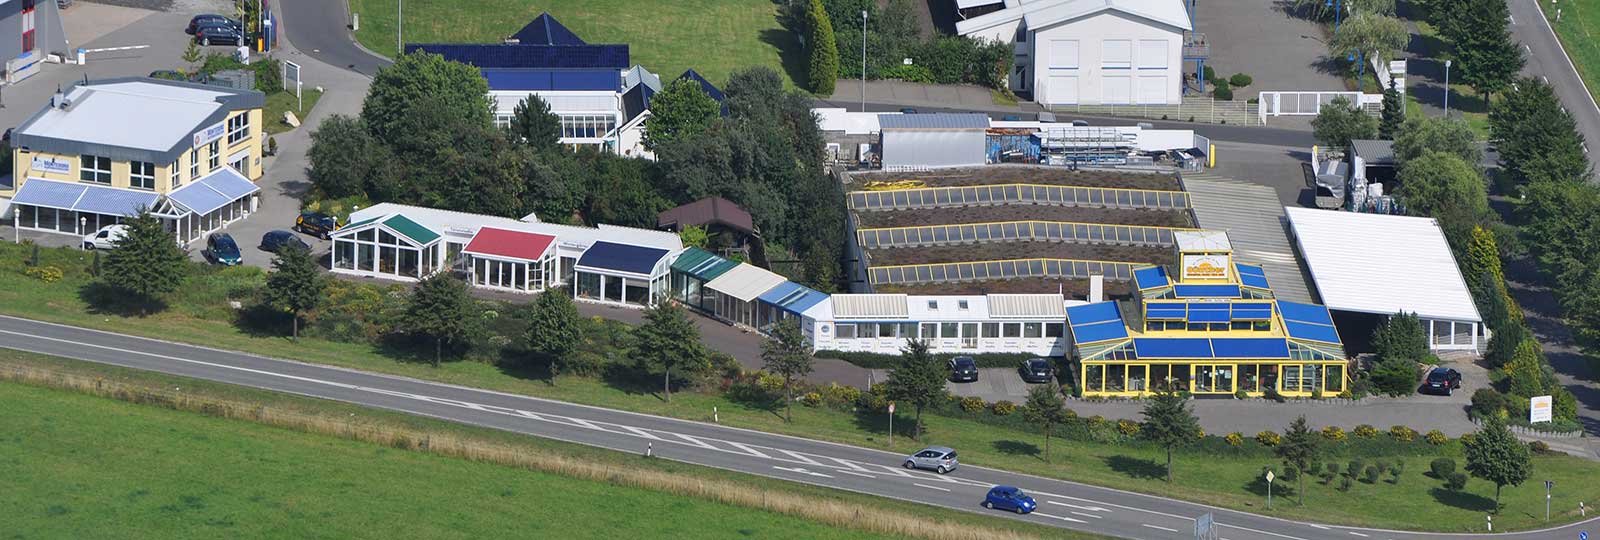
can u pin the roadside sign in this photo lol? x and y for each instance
(1583, 535)
(891, 407)
(1270, 476)
(1539, 409)
(1205, 527)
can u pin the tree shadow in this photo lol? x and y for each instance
(1144, 469)
(877, 423)
(633, 382)
(104, 299)
(263, 321)
(790, 53)
(1463, 500)
(1017, 448)
(524, 364)
(1281, 488)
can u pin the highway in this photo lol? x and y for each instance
(1548, 61)
(865, 470)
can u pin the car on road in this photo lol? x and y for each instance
(316, 224)
(204, 19)
(963, 369)
(274, 241)
(1009, 498)
(939, 459)
(221, 249)
(1036, 370)
(218, 34)
(105, 238)
(1441, 380)
(908, 110)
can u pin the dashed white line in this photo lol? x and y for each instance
(1357, 534)
(1089, 508)
(853, 473)
(1075, 512)
(931, 487)
(1062, 518)
(1158, 527)
(1316, 526)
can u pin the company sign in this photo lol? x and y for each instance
(1539, 408)
(51, 165)
(205, 136)
(1205, 267)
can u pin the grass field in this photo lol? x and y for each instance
(715, 37)
(285, 101)
(1577, 29)
(1227, 479)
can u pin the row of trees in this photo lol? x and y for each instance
(892, 35)
(1479, 34)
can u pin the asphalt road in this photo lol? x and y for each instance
(1547, 60)
(320, 28)
(864, 470)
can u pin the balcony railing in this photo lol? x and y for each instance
(1195, 45)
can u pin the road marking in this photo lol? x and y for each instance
(1545, 79)
(853, 473)
(801, 471)
(695, 441)
(1158, 527)
(1086, 515)
(1529, 49)
(1317, 526)
(640, 432)
(1089, 508)
(1062, 518)
(1257, 531)
(931, 487)
(1513, 21)
(850, 464)
(747, 448)
(1357, 534)
(802, 457)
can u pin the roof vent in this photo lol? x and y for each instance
(58, 100)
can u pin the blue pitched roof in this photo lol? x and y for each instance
(546, 30)
(1097, 312)
(1095, 332)
(499, 55)
(636, 101)
(83, 197)
(1200, 348)
(1312, 332)
(1150, 278)
(1172, 347)
(213, 191)
(792, 297)
(621, 257)
(552, 79)
(1250, 348)
(1206, 291)
(710, 89)
(1308, 313)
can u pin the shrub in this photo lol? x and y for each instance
(1402, 433)
(1222, 93)
(1268, 438)
(1344, 484)
(1456, 481)
(1333, 433)
(1488, 402)
(1240, 394)
(1383, 465)
(1097, 420)
(1331, 471)
(1211, 74)
(1240, 80)
(1442, 467)
(1315, 469)
(1316, 393)
(973, 404)
(1434, 437)
(1234, 439)
(1346, 394)
(1355, 467)
(272, 146)
(1128, 428)
(1003, 408)
(1539, 447)
(1468, 439)
(47, 274)
(1289, 474)
(1271, 393)
(773, 384)
(1394, 475)
(1365, 431)
(811, 399)
(872, 402)
(841, 395)
(1371, 475)
(908, 72)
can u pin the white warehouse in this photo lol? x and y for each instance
(1087, 52)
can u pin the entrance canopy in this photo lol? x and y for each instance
(213, 191)
(81, 197)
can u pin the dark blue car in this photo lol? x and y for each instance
(221, 249)
(1009, 498)
(277, 240)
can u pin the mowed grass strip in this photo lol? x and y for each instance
(1579, 32)
(715, 37)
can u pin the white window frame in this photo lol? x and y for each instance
(142, 175)
(214, 162)
(194, 163)
(1149, 57)
(96, 169)
(238, 128)
(1107, 46)
(176, 174)
(1065, 61)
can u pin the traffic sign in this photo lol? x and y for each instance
(891, 407)
(1205, 527)
(1270, 476)
(1583, 535)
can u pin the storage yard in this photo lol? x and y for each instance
(1022, 174)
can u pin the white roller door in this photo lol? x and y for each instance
(1062, 90)
(1116, 89)
(1152, 89)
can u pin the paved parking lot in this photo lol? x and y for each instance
(1256, 37)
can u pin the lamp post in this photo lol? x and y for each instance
(863, 60)
(399, 27)
(1447, 88)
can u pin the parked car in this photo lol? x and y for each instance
(277, 240)
(1080, 123)
(963, 369)
(1011, 118)
(1009, 498)
(221, 249)
(908, 110)
(204, 19)
(1441, 380)
(218, 34)
(1036, 370)
(105, 238)
(936, 458)
(316, 224)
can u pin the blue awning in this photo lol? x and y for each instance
(1307, 313)
(1169, 311)
(1313, 332)
(1208, 348)
(80, 197)
(1172, 347)
(1252, 311)
(213, 191)
(1150, 278)
(792, 297)
(1206, 291)
(1198, 315)
(1257, 282)
(621, 258)
(1102, 331)
(1093, 313)
(1250, 348)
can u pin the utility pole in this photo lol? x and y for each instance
(399, 27)
(864, 67)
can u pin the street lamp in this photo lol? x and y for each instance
(1447, 88)
(863, 60)
(399, 27)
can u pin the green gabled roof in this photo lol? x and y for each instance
(412, 230)
(702, 264)
(361, 223)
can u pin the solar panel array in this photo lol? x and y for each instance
(1252, 276)
(1018, 193)
(1206, 291)
(1006, 269)
(1096, 322)
(1208, 312)
(1056, 231)
(1308, 321)
(1151, 278)
(1263, 348)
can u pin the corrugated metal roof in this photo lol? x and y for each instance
(869, 306)
(745, 282)
(499, 55)
(84, 197)
(1252, 214)
(1380, 264)
(1374, 152)
(598, 80)
(933, 121)
(1027, 305)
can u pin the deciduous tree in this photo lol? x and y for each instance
(296, 283)
(1437, 184)
(1169, 423)
(146, 263)
(1422, 133)
(682, 109)
(917, 381)
(668, 341)
(1496, 455)
(787, 354)
(416, 76)
(1367, 34)
(1046, 408)
(1339, 122)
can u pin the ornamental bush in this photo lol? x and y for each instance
(1456, 481)
(841, 395)
(1240, 394)
(1344, 484)
(1365, 431)
(1333, 433)
(773, 384)
(1268, 438)
(1434, 437)
(1371, 475)
(1235, 439)
(1003, 408)
(1402, 433)
(1128, 428)
(47, 274)
(1539, 447)
(1240, 80)
(1355, 467)
(973, 404)
(1442, 467)
(811, 399)
(872, 402)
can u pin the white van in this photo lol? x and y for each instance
(105, 237)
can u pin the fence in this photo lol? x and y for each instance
(944, 197)
(1007, 269)
(1003, 231)
(1310, 103)
(1194, 108)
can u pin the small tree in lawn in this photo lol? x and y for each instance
(1298, 449)
(668, 341)
(534, 124)
(1169, 423)
(553, 328)
(146, 262)
(1045, 408)
(441, 309)
(1497, 456)
(788, 355)
(824, 67)
(191, 55)
(918, 380)
(296, 283)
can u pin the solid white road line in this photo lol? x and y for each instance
(1075, 512)
(1260, 531)
(1158, 527)
(1089, 508)
(1357, 534)
(931, 487)
(1062, 518)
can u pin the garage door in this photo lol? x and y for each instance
(1153, 89)
(1116, 89)
(1063, 90)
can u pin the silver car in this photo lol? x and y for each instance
(936, 458)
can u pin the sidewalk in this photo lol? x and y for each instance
(847, 94)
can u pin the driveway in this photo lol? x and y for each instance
(1258, 38)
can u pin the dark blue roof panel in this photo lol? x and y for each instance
(1249, 269)
(1093, 313)
(1091, 333)
(636, 101)
(1310, 313)
(1254, 281)
(621, 257)
(546, 30)
(1172, 347)
(1150, 278)
(1250, 347)
(499, 55)
(552, 79)
(710, 89)
(1166, 311)
(1206, 291)
(1313, 332)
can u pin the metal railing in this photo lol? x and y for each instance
(1005, 231)
(1003, 269)
(945, 197)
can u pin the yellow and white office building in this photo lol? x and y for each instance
(1210, 327)
(102, 150)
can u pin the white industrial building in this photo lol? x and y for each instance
(932, 141)
(995, 323)
(1383, 265)
(1072, 52)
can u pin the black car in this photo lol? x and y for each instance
(316, 224)
(963, 369)
(1441, 380)
(221, 249)
(277, 240)
(1036, 370)
(214, 33)
(204, 19)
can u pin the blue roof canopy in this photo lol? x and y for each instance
(1252, 311)
(621, 258)
(1257, 282)
(1313, 332)
(1309, 313)
(1172, 347)
(1097, 312)
(1176, 311)
(792, 297)
(498, 55)
(1150, 278)
(1206, 291)
(1101, 331)
(213, 191)
(1250, 347)
(546, 30)
(80, 197)
(1206, 348)
(552, 79)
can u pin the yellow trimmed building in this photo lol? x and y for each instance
(1213, 328)
(103, 150)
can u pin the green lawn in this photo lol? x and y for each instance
(1225, 478)
(715, 37)
(1577, 29)
(1465, 103)
(280, 102)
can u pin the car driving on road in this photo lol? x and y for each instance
(939, 459)
(1441, 380)
(1009, 498)
(963, 369)
(1036, 370)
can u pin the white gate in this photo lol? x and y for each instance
(1308, 103)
